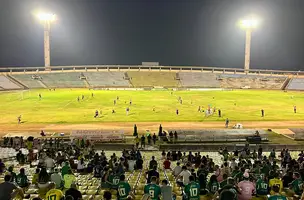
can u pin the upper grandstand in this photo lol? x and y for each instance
(148, 77)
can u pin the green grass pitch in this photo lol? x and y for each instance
(61, 106)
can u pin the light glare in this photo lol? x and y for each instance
(46, 17)
(249, 23)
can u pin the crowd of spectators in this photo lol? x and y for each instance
(241, 175)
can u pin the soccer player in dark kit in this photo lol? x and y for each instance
(263, 112)
(177, 112)
(96, 114)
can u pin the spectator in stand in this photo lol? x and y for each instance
(177, 169)
(20, 158)
(72, 191)
(9, 190)
(21, 179)
(247, 188)
(154, 138)
(275, 181)
(143, 142)
(49, 163)
(2, 166)
(166, 190)
(152, 163)
(43, 182)
(192, 190)
(213, 186)
(153, 189)
(152, 173)
(36, 177)
(12, 174)
(107, 195)
(167, 164)
(69, 179)
(65, 169)
(57, 179)
(124, 189)
(276, 194)
(184, 175)
(54, 193)
(139, 163)
(81, 166)
(297, 185)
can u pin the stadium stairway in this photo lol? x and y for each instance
(286, 83)
(15, 81)
(42, 84)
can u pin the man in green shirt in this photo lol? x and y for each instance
(113, 180)
(65, 169)
(297, 184)
(124, 188)
(153, 189)
(192, 190)
(276, 195)
(21, 179)
(224, 182)
(262, 186)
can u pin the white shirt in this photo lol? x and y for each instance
(49, 162)
(177, 170)
(185, 174)
(131, 164)
(80, 166)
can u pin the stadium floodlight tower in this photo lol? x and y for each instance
(47, 19)
(248, 24)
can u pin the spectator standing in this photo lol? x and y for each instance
(69, 179)
(166, 190)
(154, 137)
(7, 189)
(143, 141)
(57, 179)
(21, 179)
(153, 189)
(185, 174)
(152, 163)
(247, 188)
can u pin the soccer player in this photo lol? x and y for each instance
(177, 112)
(262, 186)
(127, 110)
(199, 109)
(276, 194)
(262, 112)
(19, 119)
(153, 189)
(40, 96)
(78, 99)
(297, 184)
(192, 190)
(54, 193)
(275, 182)
(130, 102)
(124, 189)
(114, 102)
(219, 113)
(227, 123)
(96, 114)
(82, 97)
(295, 109)
(92, 94)
(113, 111)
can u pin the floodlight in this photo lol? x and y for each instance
(249, 23)
(46, 17)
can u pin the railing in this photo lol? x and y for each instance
(32, 70)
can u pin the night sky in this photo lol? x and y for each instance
(171, 32)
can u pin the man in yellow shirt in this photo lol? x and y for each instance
(53, 193)
(69, 178)
(277, 182)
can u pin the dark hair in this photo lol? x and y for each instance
(7, 178)
(276, 188)
(153, 179)
(22, 171)
(122, 177)
(37, 171)
(227, 194)
(165, 181)
(225, 176)
(38, 198)
(43, 176)
(213, 179)
(184, 168)
(107, 195)
(69, 197)
(191, 178)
